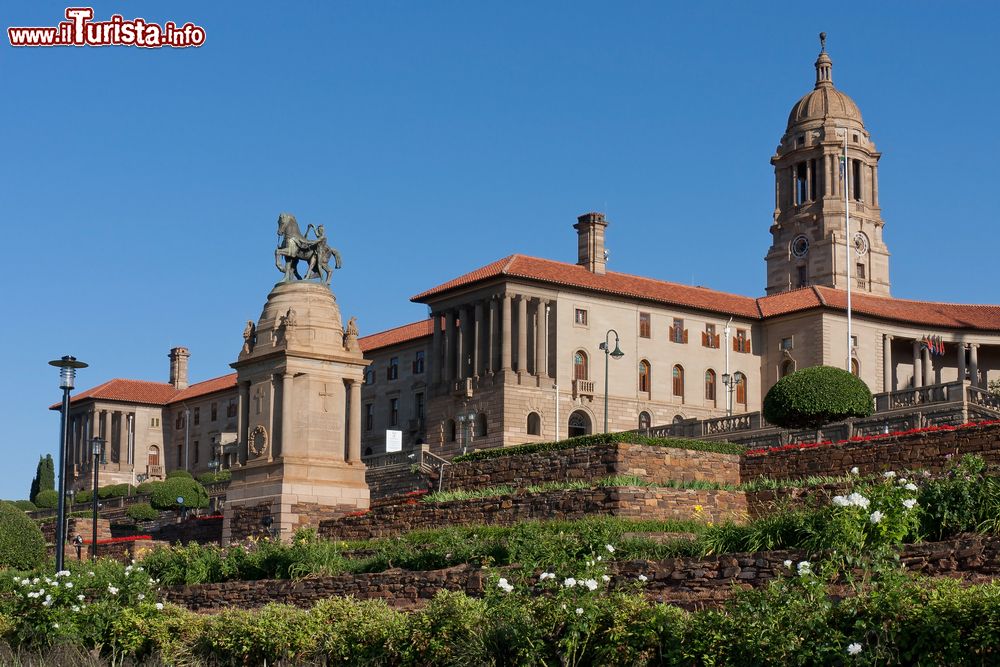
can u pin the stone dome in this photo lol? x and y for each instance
(824, 101)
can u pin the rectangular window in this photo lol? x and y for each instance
(802, 276)
(215, 411)
(860, 271)
(179, 421)
(787, 344)
(856, 180)
(370, 375)
(741, 343)
(197, 416)
(154, 422)
(812, 180)
(392, 372)
(709, 338)
(231, 408)
(581, 317)
(678, 333)
(854, 341)
(418, 362)
(180, 456)
(801, 185)
(197, 451)
(645, 326)
(393, 412)
(419, 400)
(369, 416)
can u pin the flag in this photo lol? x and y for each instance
(843, 167)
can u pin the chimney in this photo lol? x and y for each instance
(179, 367)
(590, 241)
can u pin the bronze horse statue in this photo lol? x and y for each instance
(295, 247)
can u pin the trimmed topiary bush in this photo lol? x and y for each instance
(813, 397)
(21, 543)
(179, 473)
(165, 495)
(215, 477)
(115, 491)
(147, 488)
(141, 512)
(47, 499)
(25, 505)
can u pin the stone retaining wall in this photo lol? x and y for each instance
(631, 501)
(687, 582)
(929, 450)
(395, 480)
(592, 463)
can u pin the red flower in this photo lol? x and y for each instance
(115, 540)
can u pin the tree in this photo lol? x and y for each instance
(45, 477)
(813, 397)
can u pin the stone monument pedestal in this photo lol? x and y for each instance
(299, 378)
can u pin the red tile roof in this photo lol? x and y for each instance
(950, 315)
(207, 387)
(151, 393)
(402, 334)
(622, 284)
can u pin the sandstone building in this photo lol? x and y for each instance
(512, 350)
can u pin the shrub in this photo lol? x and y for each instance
(47, 499)
(179, 473)
(115, 491)
(21, 543)
(84, 497)
(215, 477)
(165, 495)
(141, 512)
(147, 488)
(815, 396)
(25, 505)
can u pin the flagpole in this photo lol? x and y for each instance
(847, 245)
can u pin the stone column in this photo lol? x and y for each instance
(522, 334)
(436, 348)
(242, 420)
(354, 423)
(491, 337)
(123, 438)
(974, 363)
(461, 343)
(107, 435)
(918, 374)
(286, 411)
(93, 430)
(928, 367)
(961, 362)
(874, 185)
(809, 175)
(541, 340)
(449, 345)
(477, 341)
(507, 331)
(827, 176)
(887, 363)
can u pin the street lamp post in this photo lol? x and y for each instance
(97, 445)
(617, 354)
(67, 374)
(730, 381)
(467, 423)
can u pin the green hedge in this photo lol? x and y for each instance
(47, 499)
(179, 473)
(147, 488)
(165, 495)
(215, 477)
(602, 439)
(21, 543)
(141, 512)
(813, 397)
(25, 505)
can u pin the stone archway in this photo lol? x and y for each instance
(580, 424)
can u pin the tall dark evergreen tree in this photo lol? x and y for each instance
(45, 477)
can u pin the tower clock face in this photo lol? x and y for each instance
(860, 244)
(800, 246)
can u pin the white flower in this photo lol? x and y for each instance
(142, 597)
(876, 516)
(75, 608)
(570, 582)
(841, 501)
(610, 548)
(859, 500)
(35, 580)
(579, 611)
(128, 569)
(854, 470)
(55, 584)
(80, 598)
(55, 625)
(910, 487)
(159, 606)
(112, 590)
(888, 474)
(910, 503)
(591, 584)
(598, 559)
(643, 577)
(62, 573)
(903, 480)
(788, 563)
(91, 574)
(804, 568)
(504, 585)
(853, 649)
(605, 578)
(69, 584)
(546, 575)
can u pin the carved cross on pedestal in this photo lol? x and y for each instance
(258, 399)
(326, 394)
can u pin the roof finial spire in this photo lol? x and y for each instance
(824, 66)
(822, 42)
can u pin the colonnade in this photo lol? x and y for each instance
(923, 368)
(116, 427)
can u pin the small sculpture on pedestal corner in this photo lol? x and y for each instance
(249, 337)
(286, 327)
(351, 335)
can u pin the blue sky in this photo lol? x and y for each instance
(140, 188)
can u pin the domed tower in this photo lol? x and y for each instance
(811, 182)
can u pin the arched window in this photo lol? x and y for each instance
(368, 451)
(480, 424)
(645, 421)
(579, 424)
(855, 367)
(741, 388)
(645, 376)
(153, 457)
(450, 431)
(534, 424)
(710, 386)
(678, 381)
(580, 369)
(787, 367)
(678, 419)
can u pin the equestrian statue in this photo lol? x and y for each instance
(296, 247)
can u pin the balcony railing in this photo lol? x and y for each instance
(583, 388)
